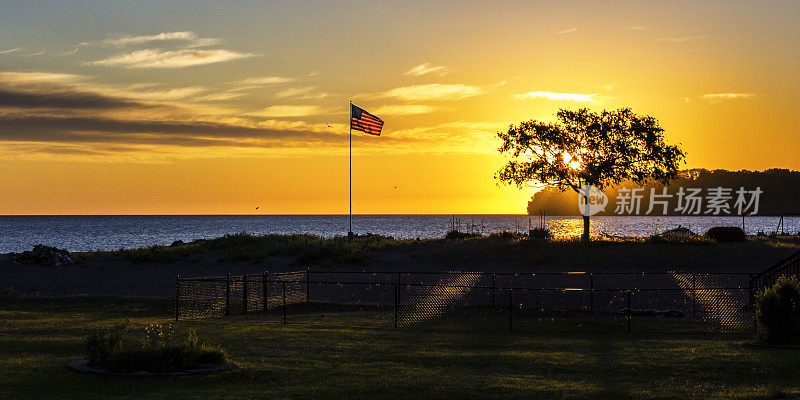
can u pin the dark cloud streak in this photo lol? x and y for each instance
(64, 99)
(190, 134)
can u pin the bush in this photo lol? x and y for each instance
(540, 233)
(726, 234)
(673, 237)
(506, 235)
(160, 350)
(456, 235)
(778, 312)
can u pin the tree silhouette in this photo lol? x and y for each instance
(587, 148)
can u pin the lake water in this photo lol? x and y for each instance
(79, 233)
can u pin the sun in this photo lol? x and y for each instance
(572, 161)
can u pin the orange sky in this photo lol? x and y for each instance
(171, 109)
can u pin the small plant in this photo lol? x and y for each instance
(456, 235)
(540, 233)
(677, 238)
(158, 334)
(726, 234)
(506, 235)
(103, 342)
(159, 349)
(9, 292)
(778, 312)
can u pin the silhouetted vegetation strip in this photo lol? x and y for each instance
(306, 248)
(255, 248)
(160, 349)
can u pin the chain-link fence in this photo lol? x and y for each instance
(624, 302)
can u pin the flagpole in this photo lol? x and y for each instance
(350, 170)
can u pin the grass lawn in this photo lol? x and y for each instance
(339, 360)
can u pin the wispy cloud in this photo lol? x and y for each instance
(427, 68)
(456, 136)
(719, 97)
(634, 28)
(27, 78)
(681, 39)
(220, 96)
(164, 94)
(568, 30)
(286, 111)
(68, 53)
(38, 53)
(239, 88)
(9, 51)
(154, 58)
(556, 96)
(301, 93)
(204, 42)
(433, 91)
(126, 40)
(263, 80)
(408, 109)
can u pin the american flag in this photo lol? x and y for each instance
(363, 121)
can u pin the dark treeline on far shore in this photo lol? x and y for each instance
(780, 193)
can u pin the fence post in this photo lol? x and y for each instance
(591, 293)
(307, 283)
(228, 295)
(752, 296)
(244, 294)
(284, 302)
(694, 296)
(396, 302)
(510, 309)
(493, 291)
(265, 289)
(755, 323)
(177, 295)
(630, 311)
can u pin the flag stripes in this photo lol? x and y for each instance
(363, 121)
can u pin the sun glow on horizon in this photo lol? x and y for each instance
(160, 110)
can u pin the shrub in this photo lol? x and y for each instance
(672, 237)
(505, 234)
(456, 235)
(160, 349)
(103, 342)
(726, 234)
(778, 312)
(540, 233)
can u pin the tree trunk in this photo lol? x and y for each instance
(585, 236)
